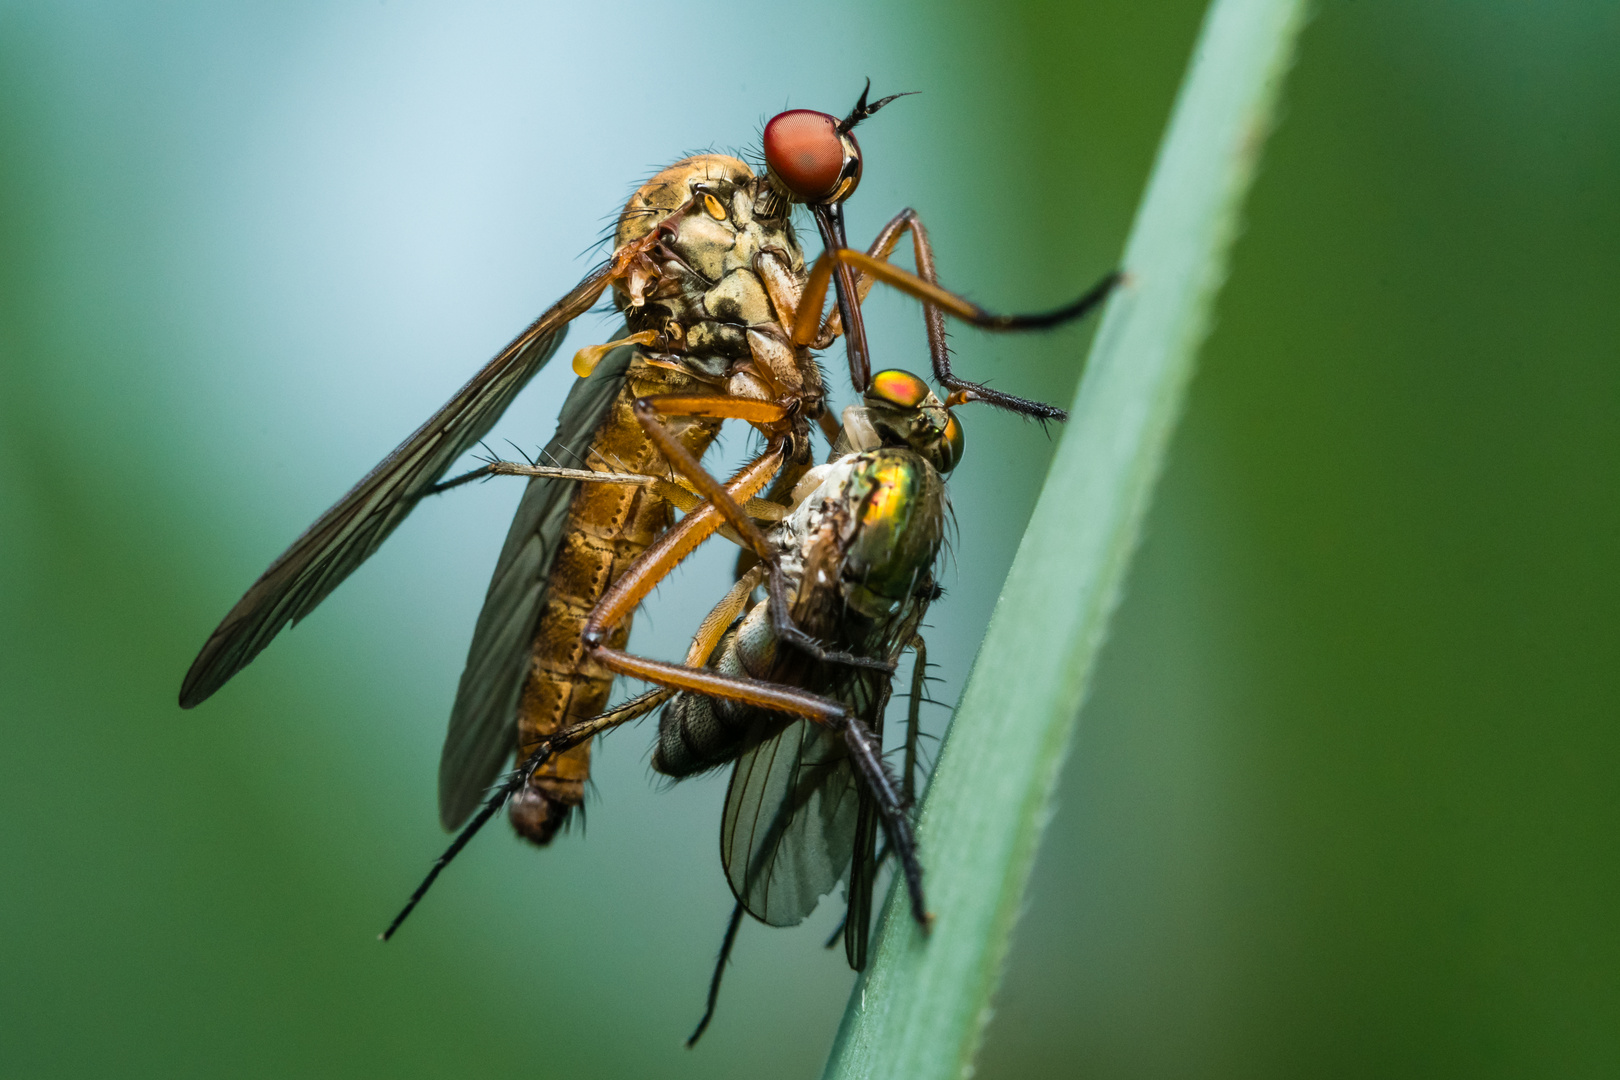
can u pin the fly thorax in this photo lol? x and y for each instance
(896, 527)
(674, 187)
(789, 541)
(818, 510)
(821, 487)
(698, 284)
(866, 533)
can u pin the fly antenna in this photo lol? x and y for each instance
(862, 110)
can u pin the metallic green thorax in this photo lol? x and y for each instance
(897, 530)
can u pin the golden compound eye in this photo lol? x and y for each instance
(950, 445)
(714, 207)
(897, 387)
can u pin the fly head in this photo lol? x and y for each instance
(899, 410)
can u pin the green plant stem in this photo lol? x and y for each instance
(920, 1010)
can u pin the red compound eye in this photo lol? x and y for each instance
(804, 151)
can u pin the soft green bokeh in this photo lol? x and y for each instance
(1345, 800)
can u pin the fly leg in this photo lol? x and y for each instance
(704, 641)
(566, 739)
(788, 631)
(653, 565)
(873, 266)
(830, 221)
(882, 248)
(861, 859)
(865, 751)
(726, 945)
(863, 867)
(969, 312)
(708, 635)
(677, 494)
(919, 680)
(638, 580)
(495, 467)
(908, 782)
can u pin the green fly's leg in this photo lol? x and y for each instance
(787, 630)
(865, 751)
(919, 677)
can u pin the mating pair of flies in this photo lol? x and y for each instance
(787, 678)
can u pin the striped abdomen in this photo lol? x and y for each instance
(608, 526)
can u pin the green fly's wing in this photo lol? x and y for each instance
(863, 868)
(788, 830)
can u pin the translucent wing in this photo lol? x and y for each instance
(350, 531)
(485, 713)
(863, 869)
(789, 826)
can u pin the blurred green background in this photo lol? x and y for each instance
(1344, 800)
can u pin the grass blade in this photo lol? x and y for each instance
(919, 1012)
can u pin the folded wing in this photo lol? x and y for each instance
(789, 827)
(484, 717)
(347, 534)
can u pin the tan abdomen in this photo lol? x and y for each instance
(608, 526)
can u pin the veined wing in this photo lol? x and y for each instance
(347, 534)
(483, 719)
(789, 826)
(863, 867)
